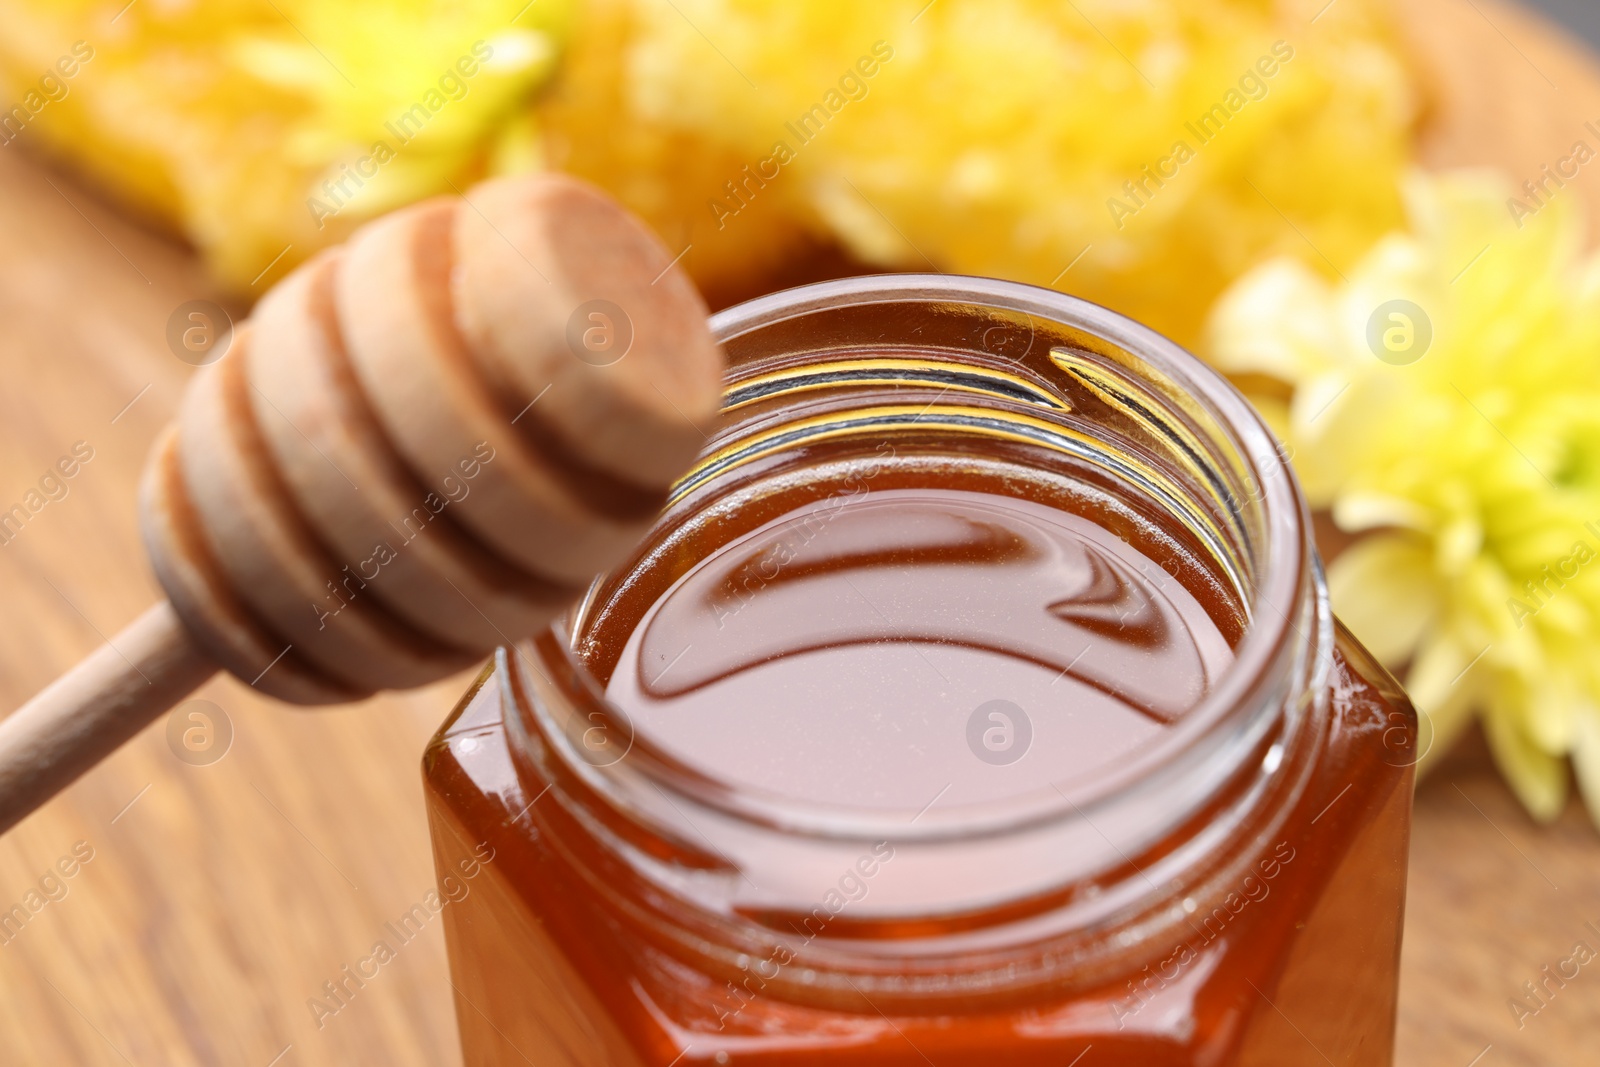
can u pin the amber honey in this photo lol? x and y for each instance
(974, 699)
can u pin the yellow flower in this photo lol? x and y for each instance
(1002, 137)
(1446, 404)
(256, 125)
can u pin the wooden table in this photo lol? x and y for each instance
(219, 898)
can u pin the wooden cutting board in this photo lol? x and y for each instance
(216, 899)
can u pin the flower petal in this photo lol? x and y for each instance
(1537, 778)
(1384, 589)
(1443, 684)
(1357, 511)
(1279, 321)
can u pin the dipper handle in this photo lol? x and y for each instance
(86, 714)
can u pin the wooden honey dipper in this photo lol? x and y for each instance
(302, 512)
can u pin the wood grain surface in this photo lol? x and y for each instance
(218, 898)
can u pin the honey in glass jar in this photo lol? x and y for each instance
(975, 699)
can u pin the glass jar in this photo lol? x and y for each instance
(976, 697)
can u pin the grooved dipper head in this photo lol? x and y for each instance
(426, 442)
